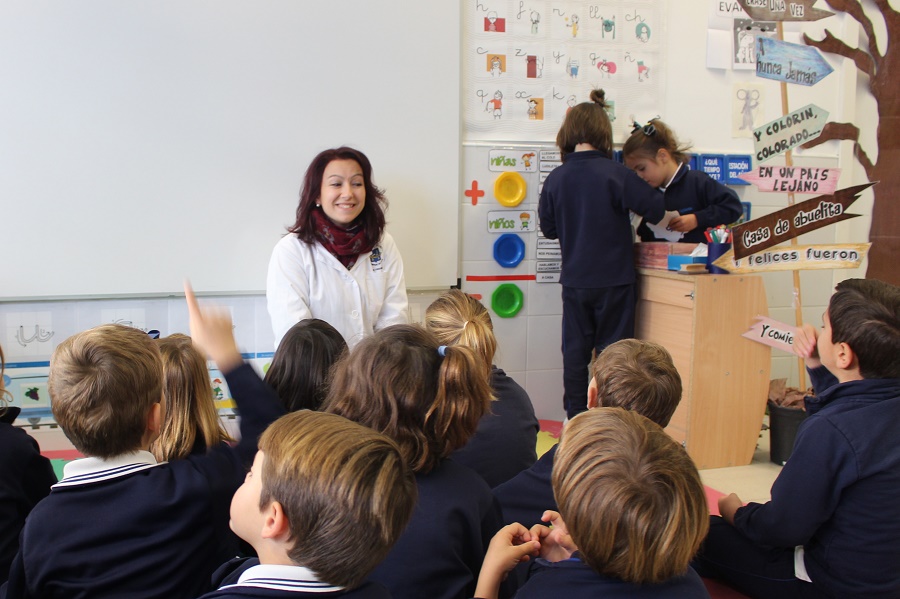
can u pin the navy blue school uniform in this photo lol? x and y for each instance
(585, 203)
(526, 496)
(439, 554)
(25, 479)
(131, 527)
(573, 579)
(505, 442)
(836, 499)
(246, 578)
(697, 193)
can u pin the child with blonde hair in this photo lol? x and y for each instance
(428, 398)
(632, 514)
(191, 424)
(505, 441)
(655, 154)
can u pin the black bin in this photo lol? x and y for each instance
(783, 425)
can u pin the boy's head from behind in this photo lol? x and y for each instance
(343, 491)
(865, 314)
(631, 497)
(636, 375)
(104, 383)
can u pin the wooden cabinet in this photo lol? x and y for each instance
(700, 319)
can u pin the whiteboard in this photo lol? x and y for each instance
(143, 142)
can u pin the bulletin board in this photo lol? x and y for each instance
(148, 141)
(525, 62)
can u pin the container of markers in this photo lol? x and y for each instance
(718, 244)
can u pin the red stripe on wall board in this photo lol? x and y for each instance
(500, 278)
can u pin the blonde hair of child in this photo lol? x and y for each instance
(647, 141)
(345, 489)
(457, 318)
(640, 376)
(190, 406)
(588, 123)
(103, 383)
(398, 383)
(630, 495)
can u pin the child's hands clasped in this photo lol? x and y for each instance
(510, 546)
(555, 542)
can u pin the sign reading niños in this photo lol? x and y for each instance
(787, 223)
(783, 10)
(791, 63)
(506, 221)
(797, 257)
(788, 132)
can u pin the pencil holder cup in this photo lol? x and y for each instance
(714, 251)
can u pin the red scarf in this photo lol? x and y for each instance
(344, 244)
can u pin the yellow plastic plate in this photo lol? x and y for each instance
(509, 189)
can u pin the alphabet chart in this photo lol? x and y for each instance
(526, 62)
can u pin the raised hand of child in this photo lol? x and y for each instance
(683, 223)
(556, 543)
(510, 546)
(805, 345)
(212, 332)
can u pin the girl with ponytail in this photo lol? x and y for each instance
(429, 398)
(505, 441)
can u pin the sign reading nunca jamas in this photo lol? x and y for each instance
(791, 63)
(787, 223)
(783, 10)
(788, 132)
(797, 257)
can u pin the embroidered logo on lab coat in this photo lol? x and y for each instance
(376, 260)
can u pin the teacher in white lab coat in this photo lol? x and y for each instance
(337, 263)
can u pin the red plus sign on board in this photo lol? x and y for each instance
(474, 193)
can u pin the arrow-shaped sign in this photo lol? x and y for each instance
(797, 257)
(787, 223)
(772, 333)
(779, 10)
(788, 132)
(796, 179)
(791, 63)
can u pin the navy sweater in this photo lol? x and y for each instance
(585, 204)
(573, 579)
(133, 528)
(504, 444)
(839, 493)
(439, 554)
(526, 496)
(711, 202)
(25, 479)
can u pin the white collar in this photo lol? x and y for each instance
(92, 470)
(675, 174)
(283, 578)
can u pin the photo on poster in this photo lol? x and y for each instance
(745, 33)
(747, 103)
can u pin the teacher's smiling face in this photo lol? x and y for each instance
(343, 194)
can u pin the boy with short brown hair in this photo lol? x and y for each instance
(632, 374)
(832, 527)
(320, 484)
(632, 513)
(120, 524)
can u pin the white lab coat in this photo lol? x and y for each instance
(307, 281)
